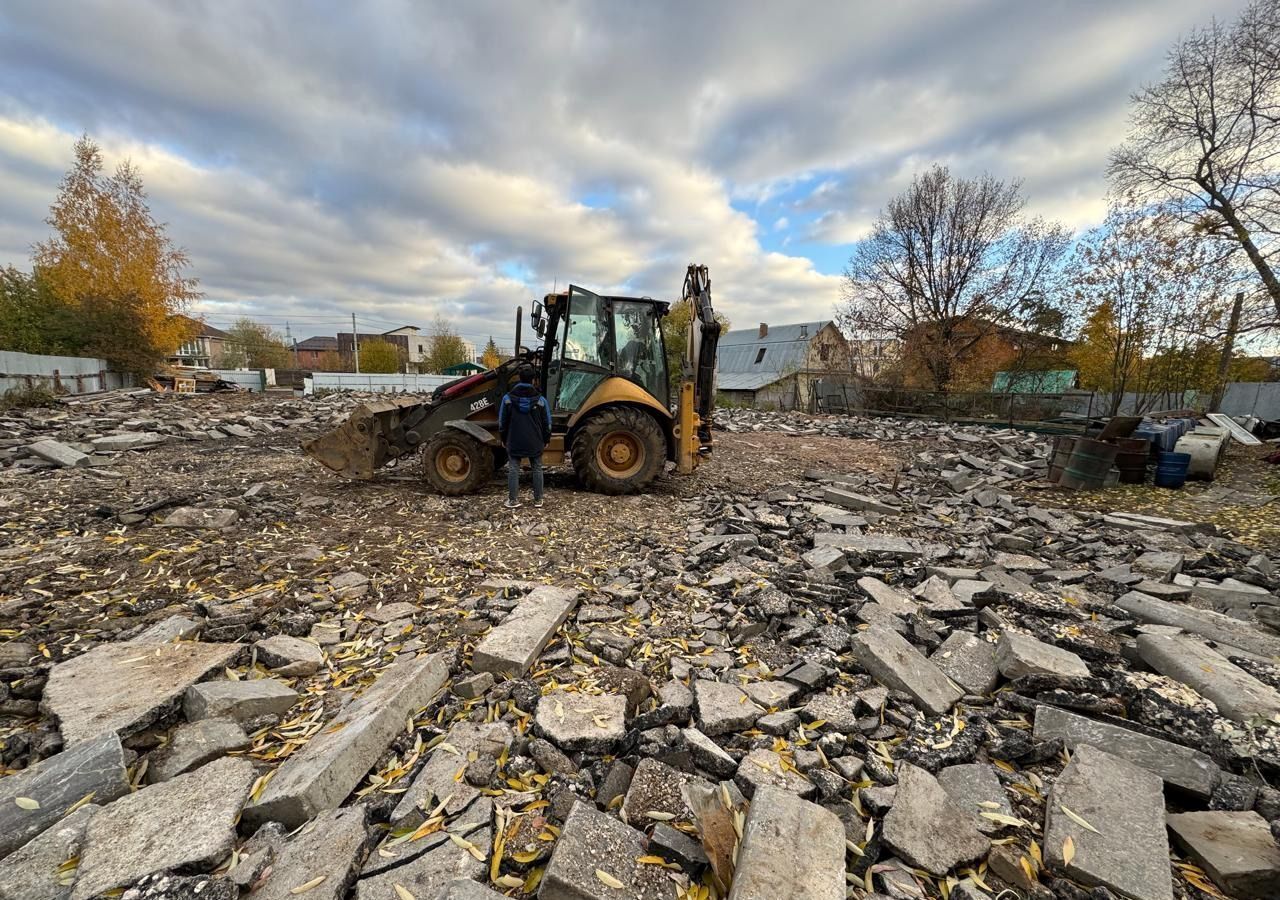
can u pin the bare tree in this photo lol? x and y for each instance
(949, 261)
(1150, 293)
(1206, 138)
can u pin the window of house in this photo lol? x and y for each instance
(824, 352)
(804, 331)
(760, 354)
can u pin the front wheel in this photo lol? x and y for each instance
(455, 463)
(619, 451)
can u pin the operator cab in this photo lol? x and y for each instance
(587, 338)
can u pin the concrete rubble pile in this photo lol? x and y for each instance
(92, 432)
(912, 686)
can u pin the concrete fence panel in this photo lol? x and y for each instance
(63, 374)
(383, 384)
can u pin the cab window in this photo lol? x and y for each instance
(639, 341)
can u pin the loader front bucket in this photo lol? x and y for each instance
(363, 443)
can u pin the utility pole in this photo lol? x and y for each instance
(288, 336)
(1228, 348)
(355, 343)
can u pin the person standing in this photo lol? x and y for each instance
(524, 422)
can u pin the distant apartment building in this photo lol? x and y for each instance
(412, 345)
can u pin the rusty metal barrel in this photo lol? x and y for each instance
(1132, 455)
(1062, 446)
(1088, 466)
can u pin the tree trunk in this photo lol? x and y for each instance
(1242, 236)
(1228, 347)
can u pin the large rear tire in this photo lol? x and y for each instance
(455, 463)
(619, 451)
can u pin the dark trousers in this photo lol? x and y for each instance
(513, 476)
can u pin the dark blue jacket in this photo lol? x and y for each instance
(524, 421)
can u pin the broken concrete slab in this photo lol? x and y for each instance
(59, 454)
(896, 664)
(592, 842)
(125, 688)
(1232, 594)
(723, 707)
(771, 694)
(391, 612)
(576, 721)
(857, 502)
(324, 772)
(1127, 849)
(969, 661)
(197, 517)
(976, 788)
(1237, 694)
(289, 656)
(510, 649)
(827, 559)
(154, 830)
(1020, 562)
(657, 788)
(890, 598)
(330, 847)
(1179, 766)
(1235, 849)
(791, 850)
(836, 712)
(34, 871)
(1160, 565)
(192, 745)
(709, 755)
(466, 889)
(427, 874)
(94, 768)
(764, 767)
(174, 628)
(1154, 523)
(438, 779)
(929, 829)
(1020, 654)
(938, 600)
(1208, 624)
(239, 701)
(887, 545)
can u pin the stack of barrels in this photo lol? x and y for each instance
(1082, 464)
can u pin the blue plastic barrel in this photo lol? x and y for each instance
(1171, 469)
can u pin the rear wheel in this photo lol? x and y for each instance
(619, 451)
(456, 463)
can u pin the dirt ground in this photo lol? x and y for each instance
(73, 571)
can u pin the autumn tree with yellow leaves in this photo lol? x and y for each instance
(112, 268)
(1152, 295)
(491, 358)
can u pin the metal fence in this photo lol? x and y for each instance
(61, 374)
(384, 384)
(249, 379)
(1241, 399)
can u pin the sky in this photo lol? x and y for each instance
(402, 160)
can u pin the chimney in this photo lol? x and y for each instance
(764, 330)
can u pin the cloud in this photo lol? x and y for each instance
(401, 159)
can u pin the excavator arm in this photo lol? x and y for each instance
(697, 402)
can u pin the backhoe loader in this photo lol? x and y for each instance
(600, 362)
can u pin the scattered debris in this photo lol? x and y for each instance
(858, 657)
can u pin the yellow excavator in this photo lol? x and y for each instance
(601, 364)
